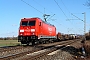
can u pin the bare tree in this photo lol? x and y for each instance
(87, 3)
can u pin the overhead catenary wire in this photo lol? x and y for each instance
(71, 14)
(43, 7)
(51, 16)
(44, 11)
(65, 6)
(76, 17)
(60, 8)
(35, 8)
(31, 6)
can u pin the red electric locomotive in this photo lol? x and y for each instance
(33, 30)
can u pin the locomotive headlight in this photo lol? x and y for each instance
(33, 33)
(32, 30)
(20, 34)
(21, 30)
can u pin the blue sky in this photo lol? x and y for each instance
(11, 11)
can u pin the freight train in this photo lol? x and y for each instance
(33, 30)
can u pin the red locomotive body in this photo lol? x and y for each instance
(35, 30)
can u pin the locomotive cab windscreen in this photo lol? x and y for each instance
(28, 23)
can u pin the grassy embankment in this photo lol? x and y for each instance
(9, 43)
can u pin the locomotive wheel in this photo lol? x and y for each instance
(22, 42)
(38, 42)
(27, 44)
(44, 42)
(33, 42)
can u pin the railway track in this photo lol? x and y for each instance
(37, 51)
(49, 51)
(9, 48)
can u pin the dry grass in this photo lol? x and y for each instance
(87, 46)
(9, 43)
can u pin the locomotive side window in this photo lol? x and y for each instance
(24, 23)
(40, 24)
(31, 23)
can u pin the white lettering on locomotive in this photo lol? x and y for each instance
(50, 29)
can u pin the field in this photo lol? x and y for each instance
(9, 43)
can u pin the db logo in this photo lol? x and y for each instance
(50, 29)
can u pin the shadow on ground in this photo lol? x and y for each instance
(72, 50)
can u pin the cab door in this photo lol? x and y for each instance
(40, 29)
